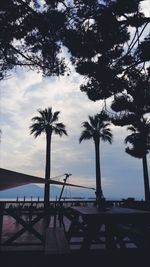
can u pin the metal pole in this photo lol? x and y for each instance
(67, 176)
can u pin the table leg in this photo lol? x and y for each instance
(73, 227)
(91, 233)
(110, 236)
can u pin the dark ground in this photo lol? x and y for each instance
(133, 257)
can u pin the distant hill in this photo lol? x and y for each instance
(36, 191)
(21, 191)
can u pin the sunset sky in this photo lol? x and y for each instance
(26, 91)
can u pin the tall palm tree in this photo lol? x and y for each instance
(97, 129)
(47, 123)
(140, 147)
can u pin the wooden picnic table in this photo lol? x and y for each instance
(91, 219)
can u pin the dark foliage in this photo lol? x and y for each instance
(96, 33)
(133, 103)
(139, 139)
(30, 37)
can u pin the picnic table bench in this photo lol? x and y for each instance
(113, 219)
(137, 233)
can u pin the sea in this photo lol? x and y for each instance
(35, 193)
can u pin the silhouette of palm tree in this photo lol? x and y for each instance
(47, 123)
(134, 103)
(140, 147)
(97, 129)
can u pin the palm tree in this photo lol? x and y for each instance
(97, 129)
(47, 123)
(134, 102)
(140, 147)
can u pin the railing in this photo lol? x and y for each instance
(25, 216)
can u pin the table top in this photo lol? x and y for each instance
(112, 210)
(114, 215)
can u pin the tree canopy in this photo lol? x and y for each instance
(133, 104)
(104, 38)
(30, 36)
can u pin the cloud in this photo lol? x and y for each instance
(145, 7)
(26, 92)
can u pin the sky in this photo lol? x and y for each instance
(22, 94)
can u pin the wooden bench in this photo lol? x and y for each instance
(77, 227)
(139, 236)
(56, 242)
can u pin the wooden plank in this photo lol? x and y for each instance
(62, 242)
(22, 248)
(50, 242)
(56, 242)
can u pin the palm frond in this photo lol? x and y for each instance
(37, 119)
(60, 125)
(85, 135)
(96, 128)
(59, 131)
(132, 129)
(105, 124)
(37, 129)
(107, 136)
(42, 113)
(55, 116)
(46, 123)
(48, 114)
(139, 139)
(93, 121)
(87, 127)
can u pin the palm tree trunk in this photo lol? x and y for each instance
(47, 170)
(98, 171)
(146, 179)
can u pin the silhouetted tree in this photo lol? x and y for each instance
(30, 36)
(47, 123)
(95, 32)
(131, 107)
(97, 129)
(101, 45)
(140, 147)
(134, 102)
